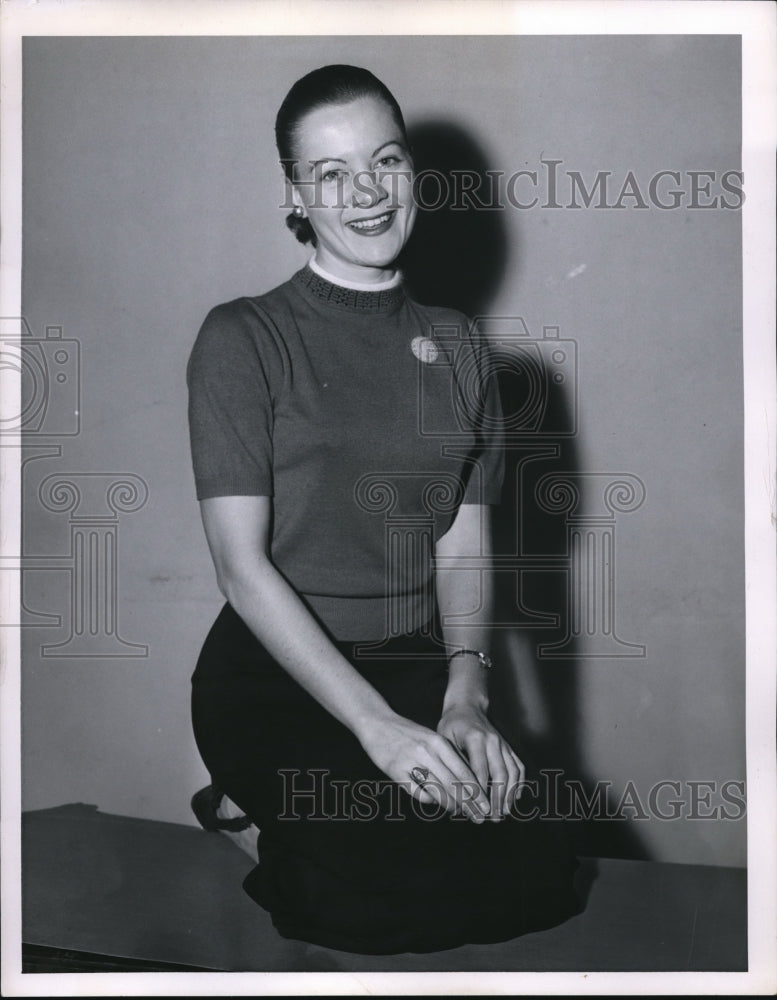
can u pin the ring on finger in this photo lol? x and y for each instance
(419, 775)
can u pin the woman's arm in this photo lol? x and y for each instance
(465, 591)
(238, 531)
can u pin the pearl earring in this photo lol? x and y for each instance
(298, 212)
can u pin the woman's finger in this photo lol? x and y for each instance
(462, 792)
(443, 789)
(464, 784)
(475, 751)
(521, 777)
(513, 777)
(498, 775)
(430, 796)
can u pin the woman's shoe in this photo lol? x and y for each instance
(205, 804)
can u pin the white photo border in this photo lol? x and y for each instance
(756, 23)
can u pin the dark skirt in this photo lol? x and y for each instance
(347, 859)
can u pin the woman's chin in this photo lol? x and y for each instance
(382, 257)
(359, 267)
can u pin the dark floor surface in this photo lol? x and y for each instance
(140, 894)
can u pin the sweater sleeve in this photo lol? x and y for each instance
(233, 377)
(480, 399)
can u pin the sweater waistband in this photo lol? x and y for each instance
(370, 619)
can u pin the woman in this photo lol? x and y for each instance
(342, 435)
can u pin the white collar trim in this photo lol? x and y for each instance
(358, 286)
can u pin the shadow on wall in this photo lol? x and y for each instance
(457, 257)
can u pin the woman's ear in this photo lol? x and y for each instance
(292, 191)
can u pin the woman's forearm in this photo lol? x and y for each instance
(467, 678)
(278, 618)
(465, 591)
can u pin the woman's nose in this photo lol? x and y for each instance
(367, 190)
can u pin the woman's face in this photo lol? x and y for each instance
(354, 181)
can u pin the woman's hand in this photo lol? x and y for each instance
(492, 760)
(397, 746)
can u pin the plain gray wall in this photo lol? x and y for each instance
(151, 192)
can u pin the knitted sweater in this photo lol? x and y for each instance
(367, 418)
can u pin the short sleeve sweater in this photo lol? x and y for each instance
(368, 419)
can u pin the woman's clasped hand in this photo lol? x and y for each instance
(466, 767)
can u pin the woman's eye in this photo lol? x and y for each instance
(330, 175)
(388, 161)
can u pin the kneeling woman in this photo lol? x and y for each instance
(345, 450)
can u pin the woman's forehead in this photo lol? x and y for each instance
(353, 127)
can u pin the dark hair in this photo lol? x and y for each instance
(337, 84)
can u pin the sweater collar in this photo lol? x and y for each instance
(351, 299)
(360, 286)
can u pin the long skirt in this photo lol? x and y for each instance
(347, 858)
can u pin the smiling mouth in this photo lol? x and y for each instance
(371, 227)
